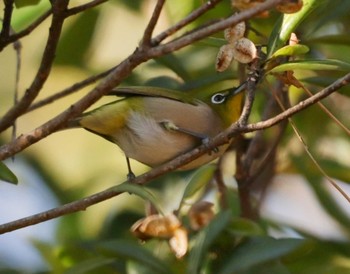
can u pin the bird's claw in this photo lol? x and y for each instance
(205, 141)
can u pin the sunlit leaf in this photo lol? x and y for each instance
(134, 5)
(329, 64)
(258, 250)
(24, 17)
(291, 51)
(127, 250)
(24, 3)
(287, 24)
(7, 175)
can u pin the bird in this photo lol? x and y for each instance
(155, 125)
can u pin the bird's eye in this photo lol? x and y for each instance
(218, 98)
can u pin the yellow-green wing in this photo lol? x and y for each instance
(154, 92)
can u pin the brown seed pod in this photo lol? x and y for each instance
(200, 214)
(244, 51)
(179, 242)
(235, 32)
(156, 226)
(224, 57)
(290, 6)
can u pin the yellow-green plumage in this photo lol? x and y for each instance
(138, 124)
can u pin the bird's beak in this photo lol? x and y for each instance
(239, 89)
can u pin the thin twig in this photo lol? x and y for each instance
(84, 7)
(307, 150)
(17, 47)
(324, 173)
(184, 22)
(44, 69)
(82, 204)
(16, 36)
(324, 108)
(70, 90)
(253, 78)
(147, 35)
(6, 22)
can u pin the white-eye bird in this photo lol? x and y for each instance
(154, 125)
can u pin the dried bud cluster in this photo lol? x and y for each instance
(238, 47)
(165, 227)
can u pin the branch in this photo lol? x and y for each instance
(44, 69)
(6, 23)
(16, 36)
(84, 7)
(74, 88)
(184, 22)
(222, 138)
(117, 75)
(147, 35)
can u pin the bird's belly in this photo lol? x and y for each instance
(148, 142)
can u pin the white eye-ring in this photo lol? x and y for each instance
(218, 98)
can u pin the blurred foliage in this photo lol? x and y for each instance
(229, 243)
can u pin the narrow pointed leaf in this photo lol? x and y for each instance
(127, 250)
(291, 51)
(199, 180)
(287, 24)
(257, 251)
(329, 64)
(141, 191)
(7, 175)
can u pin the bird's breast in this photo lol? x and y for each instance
(145, 139)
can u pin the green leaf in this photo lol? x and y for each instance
(7, 175)
(76, 39)
(245, 227)
(89, 265)
(127, 250)
(205, 238)
(24, 3)
(287, 24)
(291, 51)
(141, 191)
(257, 251)
(23, 17)
(329, 64)
(134, 5)
(172, 62)
(198, 181)
(339, 39)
